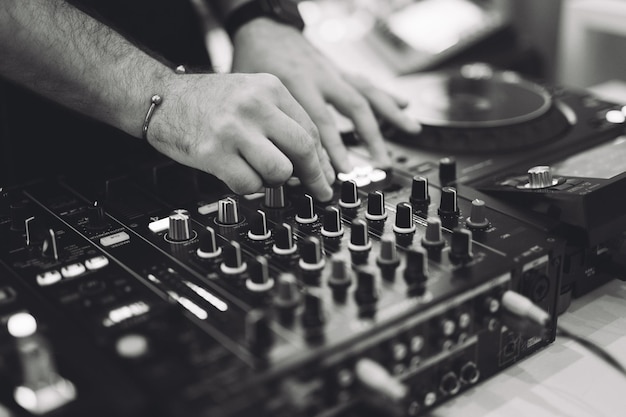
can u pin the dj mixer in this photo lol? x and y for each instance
(157, 291)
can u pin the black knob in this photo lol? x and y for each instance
(404, 223)
(305, 211)
(360, 243)
(461, 245)
(49, 248)
(228, 211)
(232, 263)
(388, 259)
(349, 198)
(259, 280)
(332, 227)
(275, 197)
(448, 205)
(477, 219)
(287, 297)
(96, 216)
(313, 315)
(447, 170)
(419, 192)
(208, 248)
(432, 240)
(259, 336)
(416, 271)
(366, 294)
(339, 279)
(258, 227)
(376, 207)
(283, 240)
(311, 257)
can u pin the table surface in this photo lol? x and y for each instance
(564, 379)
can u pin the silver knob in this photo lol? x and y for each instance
(540, 177)
(228, 211)
(180, 227)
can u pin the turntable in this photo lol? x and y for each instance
(477, 109)
(484, 130)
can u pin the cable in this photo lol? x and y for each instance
(593, 348)
(522, 307)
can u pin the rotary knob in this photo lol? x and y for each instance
(180, 226)
(228, 212)
(540, 177)
(275, 197)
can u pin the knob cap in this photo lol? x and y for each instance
(259, 280)
(477, 219)
(96, 216)
(259, 336)
(180, 226)
(313, 315)
(447, 170)
(287, 296)
(448, 205)
(332, 223)
(419, 192)
(275, 197)
(233, 263)
(311, 257)
(461, 245)
(305, 211)
(388, 259)
(366, 294)
(339, 279)
(376, 207)
(228, 211)
(349, 195)
(540, 177)
(258, 227)
(283, 240)
(404, 223)
(208, 248)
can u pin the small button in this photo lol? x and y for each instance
(118, 237)
(48, 278)
(73, 270)
(160, 225)
(97, 262)
(574, 181)
(562, 187)
(132, 346)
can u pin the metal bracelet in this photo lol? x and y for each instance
(154, 102)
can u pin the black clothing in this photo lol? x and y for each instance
(40, 138)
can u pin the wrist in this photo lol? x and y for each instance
(282, 11)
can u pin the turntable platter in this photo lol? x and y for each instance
(477, 109)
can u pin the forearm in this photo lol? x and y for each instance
(61, 53)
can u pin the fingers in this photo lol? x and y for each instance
(349, 102)
(302, 150)
(315, 105)
(386, 105)
(267, 160)
(239, 176)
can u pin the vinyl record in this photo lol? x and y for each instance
(475, 96)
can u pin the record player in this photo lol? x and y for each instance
(553, 156)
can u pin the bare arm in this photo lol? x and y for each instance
(246, 129)
(56, 50)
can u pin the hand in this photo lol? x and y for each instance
(246, 129)
(263, 45)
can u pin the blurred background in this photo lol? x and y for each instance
(578, 43)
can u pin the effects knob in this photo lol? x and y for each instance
(477, 219)
(340, 279)
(447, 170)
(376, 207)
(448, 206)
(416, 271)
(305, 214)
(540, 177)
(232, 263)
(259, 280)
(180, 226)
(432, 240)
(332, 227)
(258, 227)
(313, 315)
(96, 216)
(259, 336)
(275, 197)
(461, 245)
(366, 294)
(360, 244)
(311, 259)
(419, 192)
(349, 199)
(404, 223)
(388, 260)
(228, 212)
(287, 297)
(283, 240)
(208, 248)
